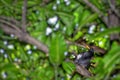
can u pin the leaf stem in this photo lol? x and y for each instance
(56, 72)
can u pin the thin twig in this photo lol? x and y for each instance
(11, 19)
(11, 25)
(45, 2)
(74, 43)
(24, 12)
(113, 8)
(93, 7)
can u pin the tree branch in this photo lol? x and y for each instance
(24, 12)
(22, 36)
(83, 71)
(12, 20)
(84, 44)
(10, 28)
(11, 25)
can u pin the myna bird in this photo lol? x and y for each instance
(84, 58)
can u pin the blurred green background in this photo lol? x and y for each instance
(53, 22)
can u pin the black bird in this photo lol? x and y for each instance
(83, 59)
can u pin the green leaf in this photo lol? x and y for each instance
(107, 64)
(69, 67)
(112, 57)
(77, 36)
(7, 66)
(85, 15)
(105, 32)
(77, 14)
(76, 77)
(57, 49)
(42, 73)
(65, 17)
(98, 4)
(87, 18)
(11, 69)
(23, 55)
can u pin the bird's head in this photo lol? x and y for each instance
(90, 51)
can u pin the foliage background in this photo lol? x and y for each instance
(60, 27)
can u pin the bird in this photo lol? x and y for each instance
(84, 58)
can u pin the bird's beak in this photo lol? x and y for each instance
(87, 47)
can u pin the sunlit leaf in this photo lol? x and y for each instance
(77, 36)
(68, 67)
